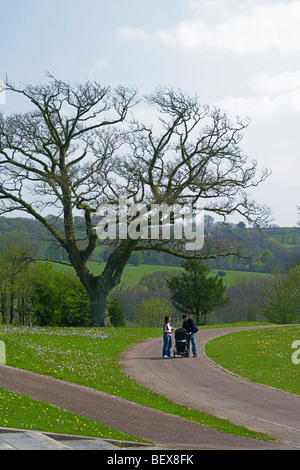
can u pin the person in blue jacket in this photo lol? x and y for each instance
(189, 325)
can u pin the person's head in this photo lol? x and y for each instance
(167, 319)
(185, 316)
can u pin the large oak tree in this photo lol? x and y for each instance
(82, 145)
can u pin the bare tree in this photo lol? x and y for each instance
(77, 149)
(280, 297)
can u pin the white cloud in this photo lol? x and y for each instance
(286, 82)
(268, 97)
(232, 26)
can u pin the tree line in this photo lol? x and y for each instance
(274, 247)
(274, 298)
(33, 293)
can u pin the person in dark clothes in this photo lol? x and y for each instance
(189, 325)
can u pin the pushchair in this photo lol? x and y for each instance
(181, 343)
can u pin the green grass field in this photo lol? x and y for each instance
(133, 274)
(88, 357)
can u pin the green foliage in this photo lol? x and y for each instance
(15, 256)
(196, 292)
(59, 299)
(35, 294)
(116, 313)
(151, 312)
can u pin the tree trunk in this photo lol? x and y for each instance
(99, 287)
(3, 306)
(99, 308)
(11, 310)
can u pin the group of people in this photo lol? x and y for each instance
(189, 325)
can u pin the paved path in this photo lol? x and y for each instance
(15, 439)
(169, 432)
(201, 385)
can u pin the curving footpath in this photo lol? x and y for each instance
(202, 385)
(195, 382)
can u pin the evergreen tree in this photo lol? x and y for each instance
(196, 292)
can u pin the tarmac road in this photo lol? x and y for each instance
(202, 385)
(192, 381)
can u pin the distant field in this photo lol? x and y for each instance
(133, 274)
(232, 276)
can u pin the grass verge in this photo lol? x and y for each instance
(21, 412)
(263, 356)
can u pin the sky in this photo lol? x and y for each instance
(241, 56)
